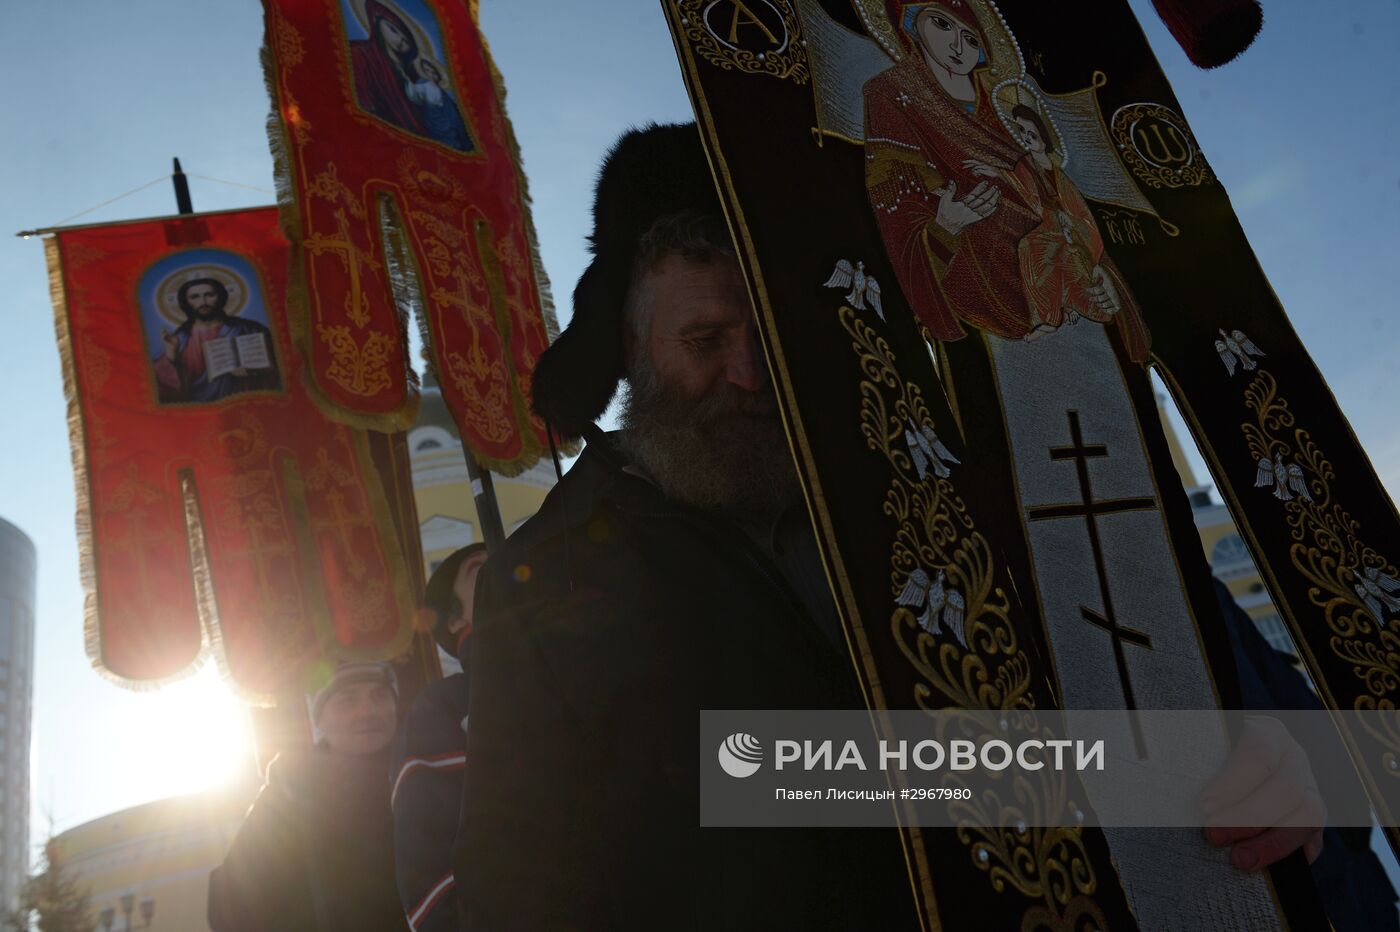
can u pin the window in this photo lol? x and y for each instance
(7, 616)
(426, 439)
(1271, 627)
(1229, 549)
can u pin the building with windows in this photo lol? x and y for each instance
(18, 567)
(443, 492)
(155, 858)
(1229, 557)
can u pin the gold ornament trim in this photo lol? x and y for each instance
(1328, 551)
(1006, 839)
(359, 368)
(1164, 168)
(787, 62)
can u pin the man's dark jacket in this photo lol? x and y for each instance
(315, 853)
(427, 790)
(602, 628)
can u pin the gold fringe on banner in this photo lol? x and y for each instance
(405, 281)
(82, 495)
(542, 285)
(402, 570)
(206, 601)
(82, 488)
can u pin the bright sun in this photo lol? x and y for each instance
(200, 736)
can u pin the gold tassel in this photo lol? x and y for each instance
(542, 287)
(87, 561)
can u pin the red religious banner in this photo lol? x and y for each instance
(219, 511)
(402, 189)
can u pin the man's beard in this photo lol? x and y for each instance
(726, 450)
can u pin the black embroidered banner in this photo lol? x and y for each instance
(1015, 186)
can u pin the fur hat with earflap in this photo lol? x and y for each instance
(650, 173)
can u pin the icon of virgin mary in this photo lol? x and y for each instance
(982, 227)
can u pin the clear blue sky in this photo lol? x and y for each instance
(1304, 130)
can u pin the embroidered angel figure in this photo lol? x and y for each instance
(1379, 591)
(928, 452)
(1285, 480)
(938, 601)
(1237, 349)
(863, 287)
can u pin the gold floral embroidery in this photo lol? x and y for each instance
(97, 363)
(989, 670)
(290, 48)
(248, 523)
(1328, 551)
(330, 480)
(481, 381)
(359, 368)
(328, 186)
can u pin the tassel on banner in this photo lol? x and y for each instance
(1212, 32)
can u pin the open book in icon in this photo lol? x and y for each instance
(225, 354)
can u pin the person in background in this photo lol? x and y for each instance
(1355, 891)
(429, 754)
(315, 853)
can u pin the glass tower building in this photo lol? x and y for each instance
(17, 579)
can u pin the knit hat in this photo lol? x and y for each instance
(650, 173)
(440, 603)
(354, 672)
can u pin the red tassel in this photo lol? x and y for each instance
(1212, 32)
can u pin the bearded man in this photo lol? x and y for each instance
(673, 569)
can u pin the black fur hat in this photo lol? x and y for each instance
(649, 173)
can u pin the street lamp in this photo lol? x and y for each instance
(108, 915)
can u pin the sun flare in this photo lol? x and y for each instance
(199, 737)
